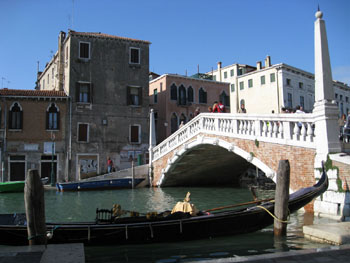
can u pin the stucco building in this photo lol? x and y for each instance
(175, 99)
(106, 78)
(33, 125)
(266, 87)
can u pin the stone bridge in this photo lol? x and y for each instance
(217, 148)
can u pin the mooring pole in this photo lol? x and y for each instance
(132, 174)
(282, 198)
(35, 208)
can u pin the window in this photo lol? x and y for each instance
(155, 96)
(84, 50)
(232, 72)
(182, 95)
(48, 79)
(173, 123)
(214, 78)
(346, 99)
(16, 117)
(288, 82)
(134, 96)
(240, 71)
(84, 91)
(225, 99)
(336, 96)
(302, 104)
(272, 77)
(232, 87)
(202, 96)
(190, 94)
(341, 97)
(173, 92)
(134, 55)
(52, 117)
(241, 85)
(135, 133)
(225, 75)
(290, 100)
(250, 83)
(53, 73)
(301, 85)
(83, 132)
(262, 80)
(43, 83)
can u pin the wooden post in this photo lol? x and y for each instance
(282, 198)
(132, 174)
(35, 208)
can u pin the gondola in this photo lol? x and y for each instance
(159, 228)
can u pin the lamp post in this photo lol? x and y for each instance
(52, 160)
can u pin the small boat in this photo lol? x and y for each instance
(165, 227)
(12, 186)
(101, 184)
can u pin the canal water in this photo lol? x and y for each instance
(81, 206)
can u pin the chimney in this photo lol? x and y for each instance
(219, 70)
(267, 61)
(258, 65)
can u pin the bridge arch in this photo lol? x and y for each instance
(203, 143)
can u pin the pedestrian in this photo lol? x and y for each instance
(299, 110)
(242, 109)
(216, 107)
(181, 124)
(197, 111)
(222, 107)
(110, 165)
(210, 109)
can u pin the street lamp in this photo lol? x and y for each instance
(52, 160)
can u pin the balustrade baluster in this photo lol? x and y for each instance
(275, 129)
(296, 132)
(310, 132)
(265, 129)
(280, 130)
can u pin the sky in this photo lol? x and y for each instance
(185, 34)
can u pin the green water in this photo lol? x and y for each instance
(81, 206)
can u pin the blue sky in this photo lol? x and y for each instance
(183, 33)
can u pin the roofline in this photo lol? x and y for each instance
(186, 77)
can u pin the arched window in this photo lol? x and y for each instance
(190, 94)
(52, 117)
(202, 96)
(173, 92)
(174, 125)
(182, 95)
(225, 99)
(16, 117)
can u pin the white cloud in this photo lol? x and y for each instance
(342, 74)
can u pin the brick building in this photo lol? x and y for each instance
(32, 123)
(106, 78)
(175, 98)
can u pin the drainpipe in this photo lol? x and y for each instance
(278, 92)
(4, 147)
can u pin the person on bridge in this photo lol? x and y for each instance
(242, 109)
(221, 107)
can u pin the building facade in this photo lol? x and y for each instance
(175, 99)
(268, 88)
(33, 133)
(106, 78)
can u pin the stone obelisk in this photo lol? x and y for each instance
(325, 108)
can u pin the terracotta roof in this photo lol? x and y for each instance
(102, 35)
(31, 93)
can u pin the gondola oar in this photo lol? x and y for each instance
(241, 204)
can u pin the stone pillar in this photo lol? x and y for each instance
(325, 108)
(152, 143)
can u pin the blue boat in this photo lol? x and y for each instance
(101, 184)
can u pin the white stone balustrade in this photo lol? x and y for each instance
(286, 129)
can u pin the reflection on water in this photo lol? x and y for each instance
(81, 206)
